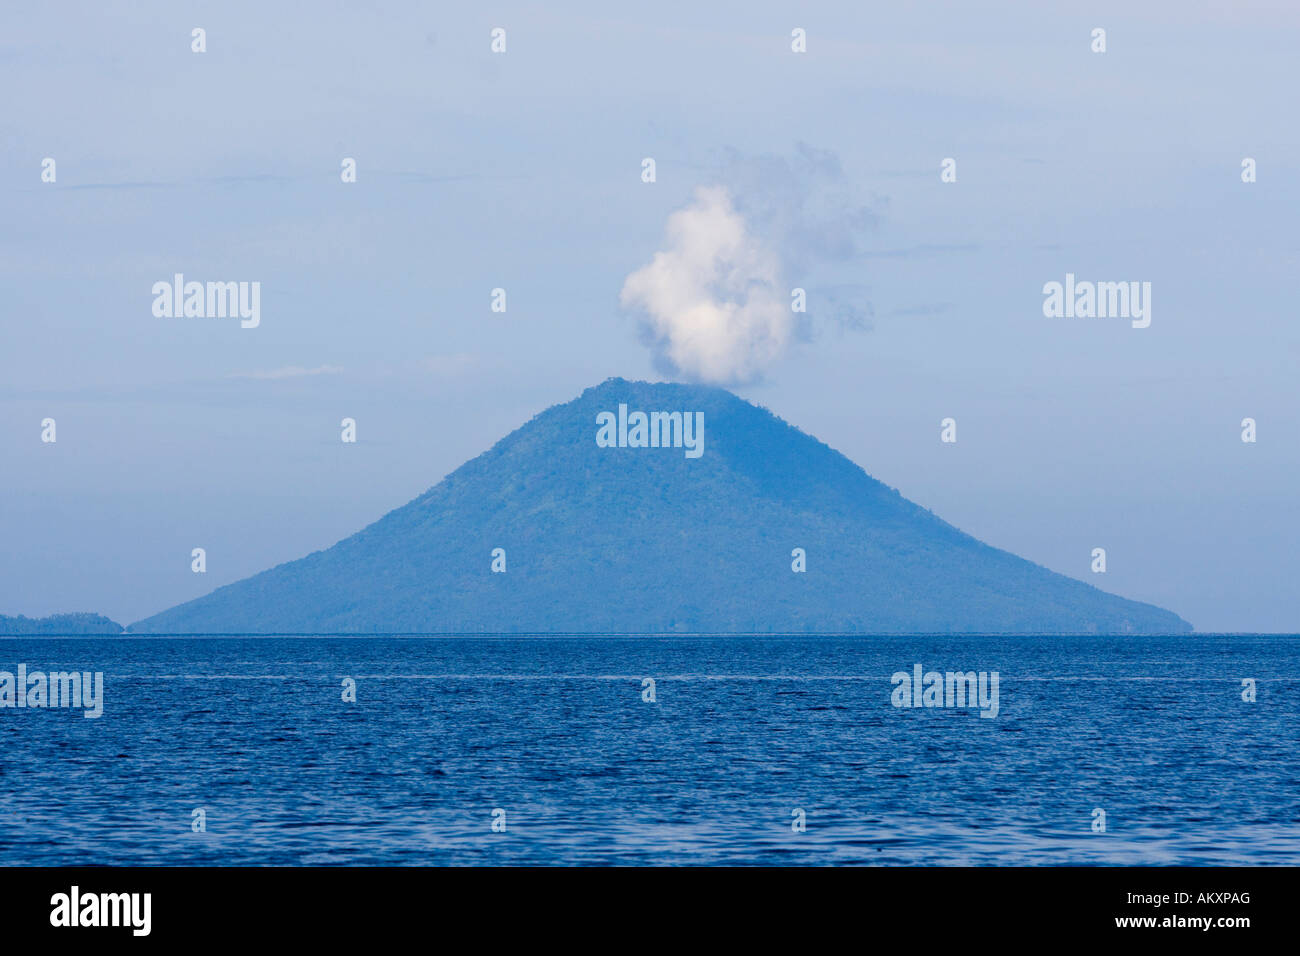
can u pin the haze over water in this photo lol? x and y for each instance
(742, 732)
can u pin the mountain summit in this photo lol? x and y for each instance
(599, 534)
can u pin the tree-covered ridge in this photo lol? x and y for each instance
(82, 622)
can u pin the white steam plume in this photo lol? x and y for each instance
(714, 304)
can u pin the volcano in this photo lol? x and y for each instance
(660, 508)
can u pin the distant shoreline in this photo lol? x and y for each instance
(632, 635)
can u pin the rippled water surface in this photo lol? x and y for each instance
(743, 732)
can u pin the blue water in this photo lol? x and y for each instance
(744, 731)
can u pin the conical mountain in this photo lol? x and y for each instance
(649, 539)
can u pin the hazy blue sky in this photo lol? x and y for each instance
(522, 170)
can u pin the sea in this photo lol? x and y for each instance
(651, 750)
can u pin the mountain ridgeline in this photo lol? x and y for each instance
(604, 537)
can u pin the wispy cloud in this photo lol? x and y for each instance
(288, 371)
(922, 250)
(452, 364)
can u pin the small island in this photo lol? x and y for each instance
(59, 625)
